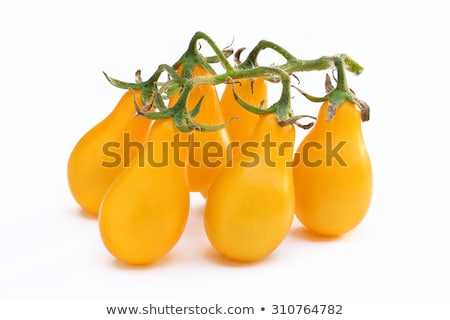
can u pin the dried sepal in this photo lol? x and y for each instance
(137, 76)
(328, 85)
(237, 56)
(296, 120)
(364, 108)
(331, 110)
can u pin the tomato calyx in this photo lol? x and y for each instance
(336, 95)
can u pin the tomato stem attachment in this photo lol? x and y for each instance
(342, 92)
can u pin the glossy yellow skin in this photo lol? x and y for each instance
(144, 212)
(333, 199)
(200, 173)
(253, 91)
(249, 210)
(88, 179)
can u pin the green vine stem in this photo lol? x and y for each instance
(155, 91)
(192, 54)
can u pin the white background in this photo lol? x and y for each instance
(52, 91)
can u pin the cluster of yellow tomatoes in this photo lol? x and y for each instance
(253, 180)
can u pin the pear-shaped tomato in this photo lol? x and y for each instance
(208, 151)
(254, 92)
(333, 180)
(250, 205)
(100, 155)
(144, 212)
